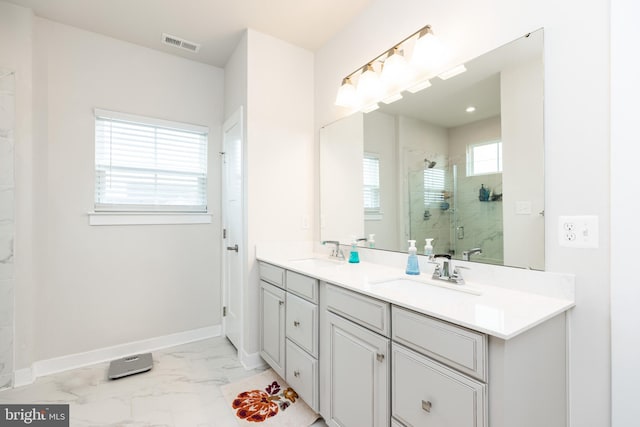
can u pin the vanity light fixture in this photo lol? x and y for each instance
(347, 96)
(384, 78)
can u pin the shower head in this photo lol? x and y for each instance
(428, 164)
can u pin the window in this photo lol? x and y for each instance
(149, 165)
(484, 158)
(433, 186)
(371, 187)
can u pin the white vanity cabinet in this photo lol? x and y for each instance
(437, 372)
(355, 359)
(289, 329)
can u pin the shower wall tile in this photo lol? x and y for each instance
(6, 204)
(7, 228)
(6, 303)
(6, 161)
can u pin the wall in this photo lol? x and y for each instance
(18, 274)
(521, 97)
(380, 138)
(105, 285)
(576, 106)
(280, 167)
(625, 151)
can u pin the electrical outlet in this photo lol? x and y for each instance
(578, 231)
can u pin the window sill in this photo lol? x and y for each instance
(373, 216)
(147, 218)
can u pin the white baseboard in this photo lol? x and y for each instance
(78, 360)
(251, 360)
(23, 377)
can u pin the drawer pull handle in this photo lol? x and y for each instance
(426, 406)
(296, 323)
(380, 357)
(296, 373)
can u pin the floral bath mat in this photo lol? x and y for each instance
(266, 400)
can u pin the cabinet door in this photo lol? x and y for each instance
(429, 394)
(358, 375)
(272, 312)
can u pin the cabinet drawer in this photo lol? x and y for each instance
(302, 374)
(460, 348)
(427, 393)
(304, 286)
(302, 323)
(368, 312)
(272, 274)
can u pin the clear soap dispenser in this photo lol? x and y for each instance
(428, 247)
(412, 262)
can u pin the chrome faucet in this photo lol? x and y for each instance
(335, 252)
(447, 272)
(466, 255)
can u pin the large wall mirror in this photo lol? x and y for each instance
(460, 162)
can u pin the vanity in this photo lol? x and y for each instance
(366, 345)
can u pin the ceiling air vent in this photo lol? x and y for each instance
(174, 41)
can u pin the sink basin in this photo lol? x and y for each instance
(411, 284)
(316, 263)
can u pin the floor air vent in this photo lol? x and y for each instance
(174, 41)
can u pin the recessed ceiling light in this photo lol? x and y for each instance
(470, 109)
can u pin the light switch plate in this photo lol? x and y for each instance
(578, 231)
(523, 207)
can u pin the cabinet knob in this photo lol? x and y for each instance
(380, 357)
(426, 406)
(296, 323)
(281, 302)
(296, 373)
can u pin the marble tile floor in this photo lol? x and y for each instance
(182, 389)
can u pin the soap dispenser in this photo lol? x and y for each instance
(428, 247)
(371, 242)
(412, 262)
(354, 257)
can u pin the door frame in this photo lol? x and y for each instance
(236, 118)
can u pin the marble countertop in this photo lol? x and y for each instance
(495, 310)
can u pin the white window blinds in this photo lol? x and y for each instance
(434, 186)
(149, 165)
(371, 180)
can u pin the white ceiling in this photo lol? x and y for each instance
(216, 24)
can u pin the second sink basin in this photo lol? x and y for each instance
(406, 283)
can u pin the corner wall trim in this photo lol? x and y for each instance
(72, 361)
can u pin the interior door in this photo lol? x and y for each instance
(233, 226)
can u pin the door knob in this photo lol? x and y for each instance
(233, 248)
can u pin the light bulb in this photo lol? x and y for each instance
(347, 96)
(395, 73)
(428, 51)
(368, 86)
